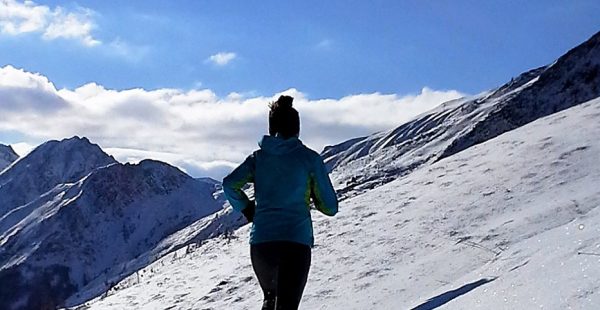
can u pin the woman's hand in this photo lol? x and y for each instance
(248, 211)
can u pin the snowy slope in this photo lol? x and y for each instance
(511, 223)
(83, 236)
(7, 156)
(364, 163)
(48, 165)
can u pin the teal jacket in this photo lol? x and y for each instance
(286, 176)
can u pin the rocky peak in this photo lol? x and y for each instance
(50, 164)
(7, 156)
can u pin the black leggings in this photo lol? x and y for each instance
(282, 270)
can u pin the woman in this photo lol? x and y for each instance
(286, 176)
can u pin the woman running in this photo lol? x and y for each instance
(286, 175)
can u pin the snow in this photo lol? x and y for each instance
(511, 223)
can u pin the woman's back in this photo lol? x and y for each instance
(286, 175)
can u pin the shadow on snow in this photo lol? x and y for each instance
(441, 299)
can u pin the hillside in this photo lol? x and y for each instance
(361, 164)
(511, 223)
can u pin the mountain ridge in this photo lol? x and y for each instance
(454, 126)
(48, 165)
(102, 222)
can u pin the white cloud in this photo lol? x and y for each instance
(21, 91)
(12, 77)
(71, 25)
(196, 130)
(221, 59)
(28, 17)
(16, 17)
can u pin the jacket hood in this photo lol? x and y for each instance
(277, 145)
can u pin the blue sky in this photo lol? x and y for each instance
(188, 82)
(327, 49)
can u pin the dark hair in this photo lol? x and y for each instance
(283, 118)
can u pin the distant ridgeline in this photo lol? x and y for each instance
(363, 163)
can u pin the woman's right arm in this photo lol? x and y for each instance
(233, 183)
(322, 191)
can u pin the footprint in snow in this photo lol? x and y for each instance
(546, 145)
(568, 154)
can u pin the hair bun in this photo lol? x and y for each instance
(283, 102)
(283, 118)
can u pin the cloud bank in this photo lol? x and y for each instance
(28, 17)
(196, 130)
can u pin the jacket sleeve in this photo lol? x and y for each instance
(322, 192)
(233, 183)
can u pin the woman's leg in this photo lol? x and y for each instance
(265, 262)
(293, 274)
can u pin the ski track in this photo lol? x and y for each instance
(510, 215)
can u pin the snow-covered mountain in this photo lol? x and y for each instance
(74, 220)
(7, 156)
(511, 223)
(48, 165)
(363, 163)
